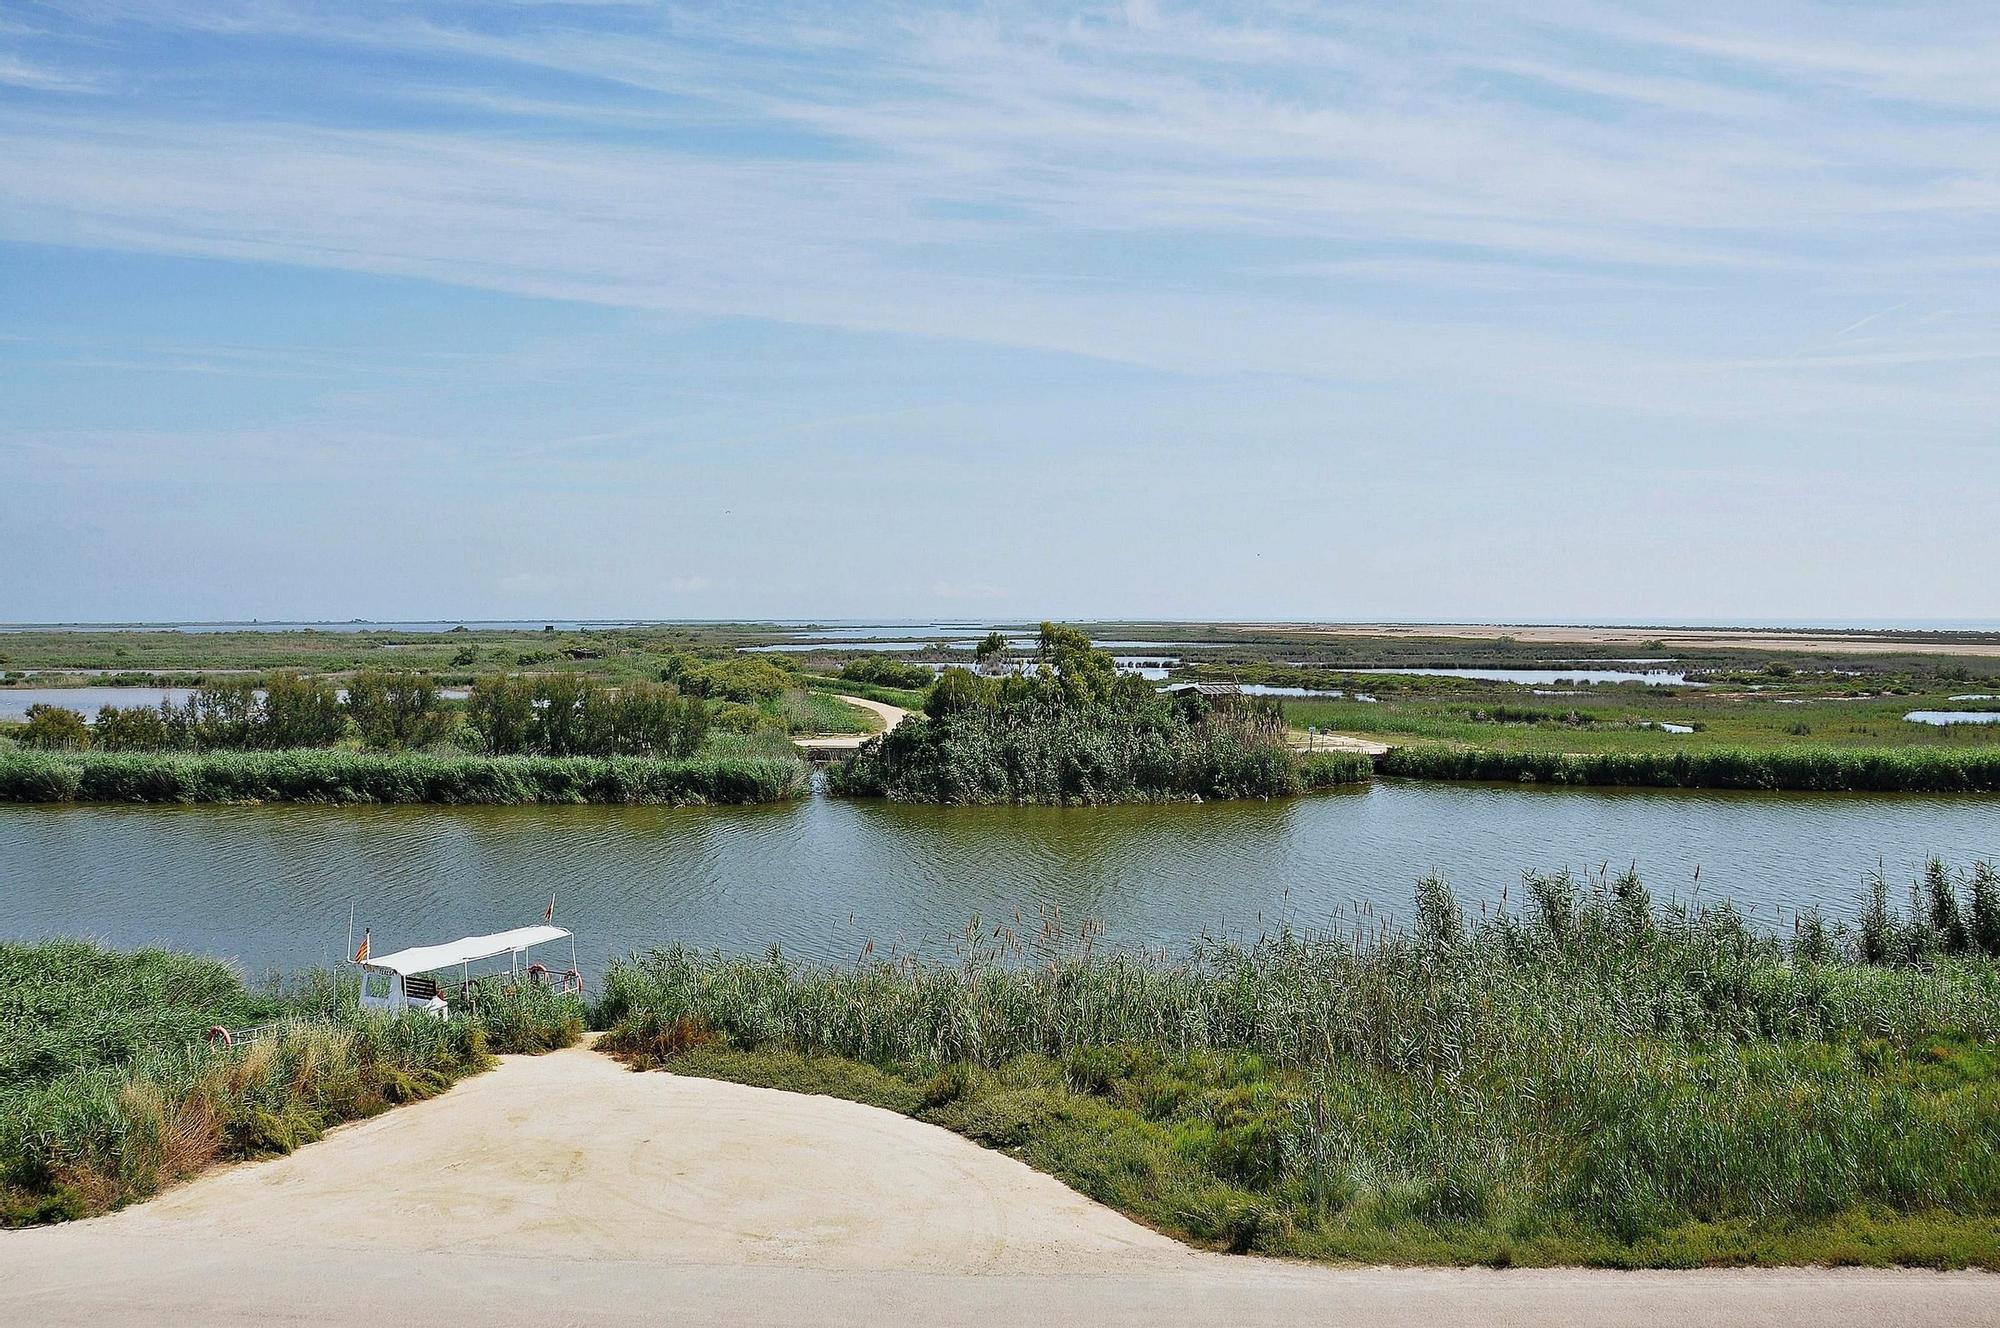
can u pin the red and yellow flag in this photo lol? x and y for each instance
(361, 954)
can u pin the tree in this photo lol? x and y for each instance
(134, 729)
(501, 710)
(55, 729)
(959, 689)
(885, 672)
(397, 711)
(655, 720)
(571, 716)
(1083, 673)
(301, 711)
(227, 712)
(994, 645)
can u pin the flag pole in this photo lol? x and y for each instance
(346, 954)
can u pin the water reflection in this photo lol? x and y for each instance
(271, 885)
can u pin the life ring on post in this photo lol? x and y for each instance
(538, 975)
(219, 1037)
(572, 982)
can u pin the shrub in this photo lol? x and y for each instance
(54, 729)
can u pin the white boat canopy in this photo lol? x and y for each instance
(430, 958)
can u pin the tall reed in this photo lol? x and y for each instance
(1590, 1077)
(334, 776)
(1804, 768)
(110, 1089)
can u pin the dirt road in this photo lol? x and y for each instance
(564, 1189)
(847, 742)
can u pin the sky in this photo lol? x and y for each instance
(1535, 311)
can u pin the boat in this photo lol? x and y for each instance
(408, 979)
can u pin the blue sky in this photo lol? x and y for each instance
(1544, 310)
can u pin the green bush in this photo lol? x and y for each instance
(1051, 751)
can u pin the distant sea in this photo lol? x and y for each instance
(837, 628)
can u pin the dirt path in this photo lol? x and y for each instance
(1333, 742)
(847, 742)
(565, 1189)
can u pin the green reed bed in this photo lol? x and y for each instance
(1806, 768)
(109, 1090)
(339, 776)
(1592, 1080)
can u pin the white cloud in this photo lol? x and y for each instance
(1568, 200)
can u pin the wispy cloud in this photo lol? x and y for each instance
(1583, 200)
(18, 73)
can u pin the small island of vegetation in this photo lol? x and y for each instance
(1074, 730)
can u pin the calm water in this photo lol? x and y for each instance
(1940, 718)
(1550, 677)
(14, 701)
(271, 885)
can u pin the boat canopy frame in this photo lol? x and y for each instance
(403, 987)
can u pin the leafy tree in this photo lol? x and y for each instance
(571, 718)
(501, 710)
(1083, 674)
(959, 689)
(301, 711)
(227, 713)
(397, 711)
(885, 672)
(54, 729)
(130, 729)
(656, 720)
(746, 678)
(993, 645)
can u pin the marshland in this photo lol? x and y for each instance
(1699, 967)
(1589, 1076)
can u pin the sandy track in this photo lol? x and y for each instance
(565, 1189)
(1334, 742)
(845, 742)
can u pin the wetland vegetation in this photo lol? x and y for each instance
(1794, 694)
(110, 1089)
(1077, 731)
(1590, 1079)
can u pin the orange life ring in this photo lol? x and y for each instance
(219, 1037)
(538, 975)
(572, 982)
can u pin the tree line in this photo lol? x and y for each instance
(556, 714)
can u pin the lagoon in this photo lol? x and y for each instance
(270, 885)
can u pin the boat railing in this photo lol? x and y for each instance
(227, 1039)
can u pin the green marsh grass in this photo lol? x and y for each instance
(337, 776)
(1592, 1079)
(1805, 768)
(109, 1089)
